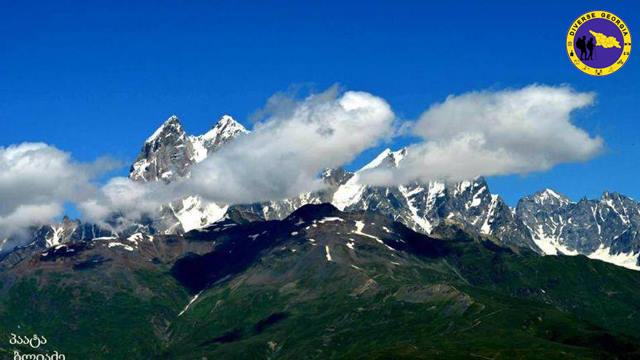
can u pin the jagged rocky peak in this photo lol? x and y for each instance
(336, 177)
(615, 200)
(225, 130)
(169, 152)
(397, 156)
(541, 203)
(473, 186)
(387, 158)
(171, 126)
(166, 154)
(65, 232)
(542, 212)
(550, 197)
(624, 207)
(605, 229)
(423, 205)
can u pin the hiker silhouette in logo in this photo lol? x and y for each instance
(582, 46)
(590, 48)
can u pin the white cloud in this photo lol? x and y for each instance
(474, 134)
(122, 202)
(15, 225)
(495, 133)
(283, 156)
(36, 180)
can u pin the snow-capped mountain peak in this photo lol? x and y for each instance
(386, 158)
(605, 229)
(167, 153)
(226, 127)
(352, 190)
(171, 125)
(399, 155)
(549, 196)
(608, 196)
(377, 160)
(225, 130)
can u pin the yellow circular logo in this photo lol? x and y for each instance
(598, 43)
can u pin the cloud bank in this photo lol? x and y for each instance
(36, 180)
(494, 133)
(282, 157)
(474, 134)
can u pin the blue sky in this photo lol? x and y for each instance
(96, 78)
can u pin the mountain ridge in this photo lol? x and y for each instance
(546, 222)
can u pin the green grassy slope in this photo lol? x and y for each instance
(455, 298)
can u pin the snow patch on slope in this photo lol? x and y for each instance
(194, 213)
(189, 304)
(115, 244)
(486, 227)
(422, 222)
(358, 231)
(348, 194)
(550, 245)
(629, 260)
(327, 253)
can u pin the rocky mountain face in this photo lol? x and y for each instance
(419, 206)
(605, 229)
(166, 154)
(70, 231)
(424, 206)
(546, 222)
(67, 231)
(169, 151)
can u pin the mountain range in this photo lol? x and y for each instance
(424, 270)
(546, 222)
